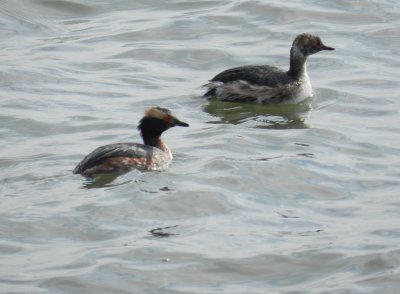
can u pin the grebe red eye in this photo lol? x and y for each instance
(168, 119)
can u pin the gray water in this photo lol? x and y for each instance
(259, 199)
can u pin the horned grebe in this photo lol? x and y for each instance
(122, 157)
(266, 84)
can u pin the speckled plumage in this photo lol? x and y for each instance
(266, 84)
(145, 158)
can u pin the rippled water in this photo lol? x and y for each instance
(259, 199)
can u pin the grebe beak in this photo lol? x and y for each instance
(323, 47)
(177, 122)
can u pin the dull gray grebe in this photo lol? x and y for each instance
(266, 84)
(154, 154)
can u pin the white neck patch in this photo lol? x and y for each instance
(296, 52)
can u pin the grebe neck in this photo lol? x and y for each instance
(156, 141)
(298, 66)
(152, 139)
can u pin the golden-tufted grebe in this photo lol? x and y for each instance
(266, 84)
(121, 157)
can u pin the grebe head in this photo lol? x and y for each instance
(307, 44)
(157, 120)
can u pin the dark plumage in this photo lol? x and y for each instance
(152, 155)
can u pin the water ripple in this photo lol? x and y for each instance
(258, 199)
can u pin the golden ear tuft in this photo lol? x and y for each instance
(157, 112)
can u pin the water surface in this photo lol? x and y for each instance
(259, 199)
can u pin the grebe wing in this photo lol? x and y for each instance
(253, 74)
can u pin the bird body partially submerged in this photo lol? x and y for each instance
(153, 155)
(266, 84)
